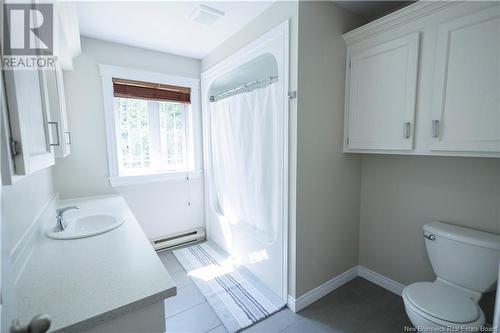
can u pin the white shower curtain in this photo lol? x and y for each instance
(244, 143)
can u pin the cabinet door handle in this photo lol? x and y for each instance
(435, 128)
(407, 130)
(68, 136)
(57, 133)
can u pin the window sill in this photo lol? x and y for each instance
(117, 181)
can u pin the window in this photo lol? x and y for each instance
(151, 126)
(153, 136)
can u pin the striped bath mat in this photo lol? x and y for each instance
(235, 295)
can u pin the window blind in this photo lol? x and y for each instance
(150, 91)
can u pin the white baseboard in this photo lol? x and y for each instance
(312, 296)
(380, 280)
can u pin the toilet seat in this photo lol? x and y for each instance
(422, 320)
(442, 306)
(443, 303)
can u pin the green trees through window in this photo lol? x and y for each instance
(151, 136)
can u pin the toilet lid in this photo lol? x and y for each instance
(442, 302)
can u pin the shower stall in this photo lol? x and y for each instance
(245, 129)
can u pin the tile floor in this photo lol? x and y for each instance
(358, 306)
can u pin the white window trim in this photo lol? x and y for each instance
(107, 73)
(153, 178)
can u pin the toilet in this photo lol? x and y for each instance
(466, 265)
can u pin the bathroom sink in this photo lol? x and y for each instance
(86, 226)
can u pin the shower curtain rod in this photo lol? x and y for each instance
(237, 90)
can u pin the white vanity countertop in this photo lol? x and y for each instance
(82, 282)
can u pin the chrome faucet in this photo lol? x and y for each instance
(61, 224)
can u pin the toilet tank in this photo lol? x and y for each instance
(463, 256)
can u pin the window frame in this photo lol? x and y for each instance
(107, 74)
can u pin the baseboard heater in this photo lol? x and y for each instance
(180, 239)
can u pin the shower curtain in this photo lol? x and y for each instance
(244, 143)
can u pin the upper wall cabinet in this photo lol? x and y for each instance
(466, 101)
(57, 103)
(68, 36)
(381, 95)
(425, 80)
(29, 121)
(34, 125)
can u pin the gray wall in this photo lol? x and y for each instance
(23, 202)
(274, 15)
(328, 181)
(160, 208)
(399, 194)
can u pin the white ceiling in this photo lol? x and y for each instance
(165, 25)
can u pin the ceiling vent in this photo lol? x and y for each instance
(206, 15)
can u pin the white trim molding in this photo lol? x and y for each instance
(319, 292)
(154, 178)
(406, 15)
(381, 280)
(107, 73)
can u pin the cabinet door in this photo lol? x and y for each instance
(57, 103)
(466, 100)
(381, 95)
(29, 120)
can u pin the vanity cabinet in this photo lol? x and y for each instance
(382, 90)
(425, 80)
